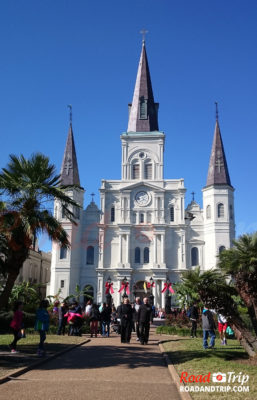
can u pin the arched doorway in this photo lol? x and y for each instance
(140, 290)
(88, 293)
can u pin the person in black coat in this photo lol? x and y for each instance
(125, 315)
(194, 315)
(105, 320)
(94, 318)
(144, 318)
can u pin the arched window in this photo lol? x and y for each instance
(221, 248)
(143, 108)
(148, 171)
(63, 253)
(63, 213)
(220, 210)
(194, 256)
(171, 214)
(90, 255)
(135, 171)
(137, 255)
(146, 255)
(231, 212)
(76, 212)
(208, 212)
(142, 219)
(112, 214)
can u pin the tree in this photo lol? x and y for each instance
(214, 290)
(240, 262)
(29, 187)
(79, 293)
(186, 289)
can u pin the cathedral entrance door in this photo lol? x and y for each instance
(141, 290)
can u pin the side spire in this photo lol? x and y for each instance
(69, 170)
(143, 116)
(218, 170)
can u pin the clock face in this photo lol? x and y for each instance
(142, 198)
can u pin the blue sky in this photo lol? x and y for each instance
(86, 53)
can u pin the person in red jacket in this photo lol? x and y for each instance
(16, 325)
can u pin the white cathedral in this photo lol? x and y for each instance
(142, 230)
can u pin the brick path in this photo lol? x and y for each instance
(103, 369)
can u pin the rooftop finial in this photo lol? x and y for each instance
(70, 107)
(217, 111)
(92, 194)
(193, 196)
(143, 32)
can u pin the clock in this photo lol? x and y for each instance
(142, 198)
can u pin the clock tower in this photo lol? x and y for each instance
(141, 214)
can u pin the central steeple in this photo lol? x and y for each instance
(143, 116)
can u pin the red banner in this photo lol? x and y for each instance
(124, 286)
(149, 285)
(167, 286)
(109, 288)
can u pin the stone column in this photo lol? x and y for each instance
(163, 294)
(120, 248)
(162, 248)
(154, 249)
(128, 248)
(155, 293)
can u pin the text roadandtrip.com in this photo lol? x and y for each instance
(233, 382)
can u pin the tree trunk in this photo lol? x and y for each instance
(14, 264)
(4, 297)
(252, 315)
(245, 337)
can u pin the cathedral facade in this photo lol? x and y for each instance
(142, 236)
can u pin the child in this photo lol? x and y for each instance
(222, 327)
(42, 325)
(16, 325)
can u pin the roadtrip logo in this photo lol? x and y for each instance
(217, 377)
(230, 382)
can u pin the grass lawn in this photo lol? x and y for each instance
(188, 355)
(28, 350)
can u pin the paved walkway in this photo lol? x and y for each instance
(103, 369)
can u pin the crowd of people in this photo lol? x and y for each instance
(102, 319)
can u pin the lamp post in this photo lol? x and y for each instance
(151, 297)
(124, 281)
(167, 298)
(135, 291)
(108, 295)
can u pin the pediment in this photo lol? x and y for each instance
(141, 184)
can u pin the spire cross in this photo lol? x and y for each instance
(92, 194)
(217, 111)
(143, 32)
(193, 196)
(70, 107)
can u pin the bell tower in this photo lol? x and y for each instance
(218, 202)
(65, 266)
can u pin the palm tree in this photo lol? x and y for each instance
(240, 262)
(213, 289)
(186, 289)
(29, 187)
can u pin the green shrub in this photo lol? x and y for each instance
(173, 330)
(7, 316)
